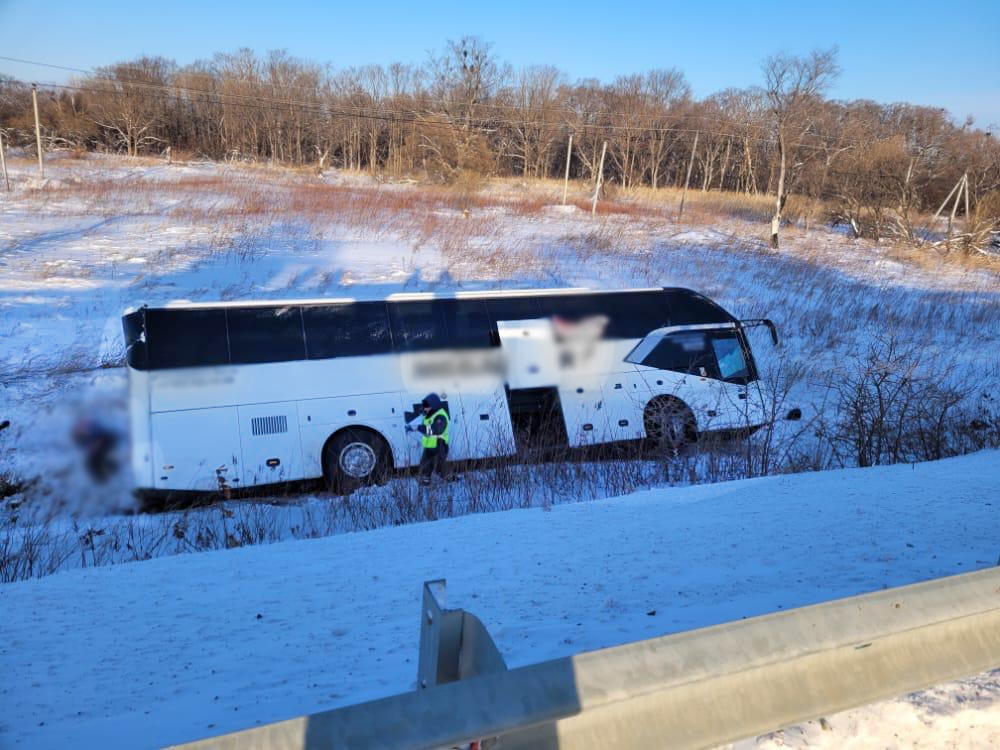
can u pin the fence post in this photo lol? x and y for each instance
(687, 181)
(38, 130)
(3, 162)
(569, 156)
(600, 180)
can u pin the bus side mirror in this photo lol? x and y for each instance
(763, 322)
(774, 331)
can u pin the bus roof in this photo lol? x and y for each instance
(404, 297)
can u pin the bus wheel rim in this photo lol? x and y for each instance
(357, 460)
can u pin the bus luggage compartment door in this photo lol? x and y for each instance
(189, 446)
(272, 450)
(584, 412)
(485, 426)
(625, 397)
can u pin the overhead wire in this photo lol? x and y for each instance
(400, 115)
(424, 119)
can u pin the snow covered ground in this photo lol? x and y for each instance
(172, 648)
(177, 648)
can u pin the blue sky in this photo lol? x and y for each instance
(923, 52)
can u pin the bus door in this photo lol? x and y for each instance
(269, 437)
(532, 359)
(531, 373)
(529, 351)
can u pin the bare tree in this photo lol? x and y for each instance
(627, 100)
(129, 101)
(794, 88)
(464, 80)
(464, 114)
(668, 99)
(535, 125)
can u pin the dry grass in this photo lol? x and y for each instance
(462, 219)
(933, 259)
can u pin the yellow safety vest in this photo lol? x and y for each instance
(431, 441)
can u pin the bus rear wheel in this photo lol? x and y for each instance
(669, 425)
(354, 458)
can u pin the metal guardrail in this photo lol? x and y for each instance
(697, 689)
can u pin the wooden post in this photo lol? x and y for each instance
(962, 183)
(38, 130)
(600, 180)
(966, 178)
(569, 156)
(3, 162)
(694, 149)
(945, 201)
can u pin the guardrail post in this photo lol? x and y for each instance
(454, 645)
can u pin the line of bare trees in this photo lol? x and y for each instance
(464, 112)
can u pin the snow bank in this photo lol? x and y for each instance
(173, 649)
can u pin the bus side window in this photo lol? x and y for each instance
(685, 307)
(418, 326)
(512, 308)
(571, 307)
(186, 338)
(685, 351)
(348, 330)
(266, 334)
(632, 315)
(468, 325)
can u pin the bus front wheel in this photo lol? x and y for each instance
(354, 458)
(669, 424)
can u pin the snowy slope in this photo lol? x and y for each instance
(177, 648)
(109, 233)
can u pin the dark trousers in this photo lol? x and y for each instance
(433, 459)
(100, 460)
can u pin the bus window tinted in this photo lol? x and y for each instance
(712, 354)
(186, 338)
(468, 325)
(631, 315)
(685, 351)
(683, 307)
(512, 308)
(347, 330)
(266, 334)
(417, 326)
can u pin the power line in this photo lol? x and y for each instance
(398, 116)
(379, 112)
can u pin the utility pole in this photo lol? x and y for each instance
(38, 130)
(569, 156)
(600, 180)
(3, 163)
(687, 182)
(963, 183)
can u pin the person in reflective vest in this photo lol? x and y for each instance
(434, 437)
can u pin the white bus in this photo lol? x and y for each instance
(245, 394)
